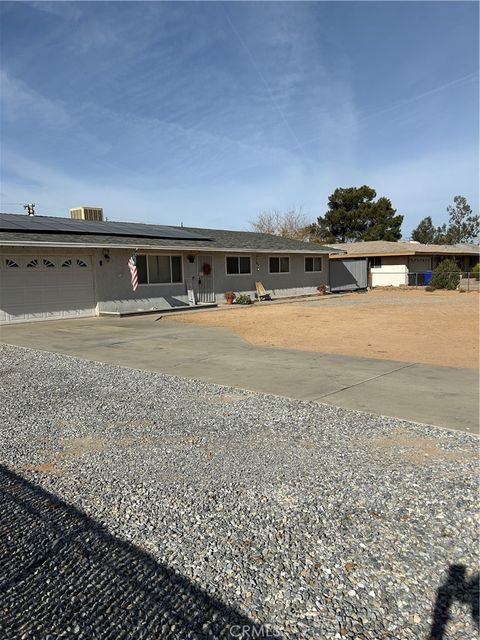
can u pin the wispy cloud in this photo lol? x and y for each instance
(21, 102)
(465, 79)
(183, 110)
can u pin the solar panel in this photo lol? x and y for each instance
(50, 224)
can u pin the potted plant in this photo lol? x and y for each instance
(322, 289)
(229, 297)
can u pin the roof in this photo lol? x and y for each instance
(55, 224)
(384, 248)
(187, 238)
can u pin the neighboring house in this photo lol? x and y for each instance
(405, 263)
(53, 267)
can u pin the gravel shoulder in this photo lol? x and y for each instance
(318, 521)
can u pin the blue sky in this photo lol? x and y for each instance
(209, 113)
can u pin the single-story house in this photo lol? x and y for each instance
(52, 267)
(404, 263)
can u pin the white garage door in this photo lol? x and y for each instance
(44, 287)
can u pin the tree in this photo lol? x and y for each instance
(353, 215)
(446, 275)
(382, 223)
(288, 224)
(427, 233)
(463, 225)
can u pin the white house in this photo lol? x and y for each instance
(405, 263)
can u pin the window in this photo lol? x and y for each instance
(375, 262)
(11, 264)
(159, 269)
(279, 264)
(313, 264)
(33, 263)
(142, 270)
(67, 263)
(238, 265)
(81, 263)
(48, 263)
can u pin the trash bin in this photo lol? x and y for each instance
(427, 277)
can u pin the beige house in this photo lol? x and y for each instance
(406, 263)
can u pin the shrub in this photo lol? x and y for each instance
(446, 275)
(243, 298)
(476, 271)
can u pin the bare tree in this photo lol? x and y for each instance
(288, 224)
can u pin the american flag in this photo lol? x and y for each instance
(132, 265)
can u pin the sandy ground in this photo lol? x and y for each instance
(440, 327)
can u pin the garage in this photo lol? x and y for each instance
(42, 286)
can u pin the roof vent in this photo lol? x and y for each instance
(87, 213)
(30, 208)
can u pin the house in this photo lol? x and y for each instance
(404, 263)
(52, 267)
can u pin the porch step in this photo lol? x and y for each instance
(124, 314)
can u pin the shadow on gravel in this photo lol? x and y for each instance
(456, 587)
(64, 575)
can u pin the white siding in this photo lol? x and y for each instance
(392, 273)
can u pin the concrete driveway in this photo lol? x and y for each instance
(442, 396)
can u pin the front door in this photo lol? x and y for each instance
(205, 278)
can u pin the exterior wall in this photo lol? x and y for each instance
(114, 291)
(297, 282)
(392, 273)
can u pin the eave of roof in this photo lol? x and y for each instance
(143, 244)
(391, 249)
(367, 254)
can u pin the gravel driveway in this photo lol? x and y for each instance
(244, 509)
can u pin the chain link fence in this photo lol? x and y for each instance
(469, 280)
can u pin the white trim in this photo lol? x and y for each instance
(275, 273)
(238, 257)
(313, 258)
(163, 284)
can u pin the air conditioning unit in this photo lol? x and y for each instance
(87, 213)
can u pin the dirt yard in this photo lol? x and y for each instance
(440, 327)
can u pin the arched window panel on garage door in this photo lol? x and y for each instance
(11, 264)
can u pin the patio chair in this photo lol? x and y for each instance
(262, 293)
